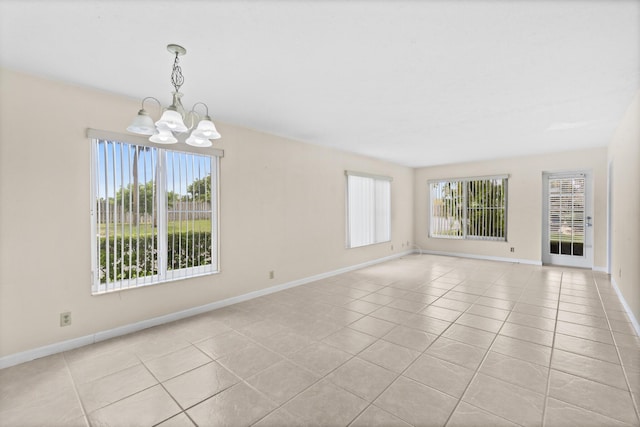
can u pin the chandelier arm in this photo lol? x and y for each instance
(201, 103)
(193, 116)
(155, 99)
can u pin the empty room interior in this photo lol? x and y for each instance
(328, 213)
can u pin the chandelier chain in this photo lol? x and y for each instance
(177, 79)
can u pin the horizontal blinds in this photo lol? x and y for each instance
(567, 214)
(143, 141)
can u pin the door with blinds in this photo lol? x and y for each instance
(567, 220)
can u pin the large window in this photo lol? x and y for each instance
(469, 208)
(154, 215)
(368, 209)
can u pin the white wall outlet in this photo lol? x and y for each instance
(65, 318)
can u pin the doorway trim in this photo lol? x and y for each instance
(586, 260)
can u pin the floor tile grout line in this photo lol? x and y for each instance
(553, 346)
(477, 371)
(161, 384)
(105, 375)
(318, 380)
(587, 339)
(141, 362)
(244, 380)
(401, 374)
(588, 379)
(75, 388)
(575, 352)
(353, 356)
(624, 370)
(129, 395)
(591, 380)
(326, 375)
(377, 339)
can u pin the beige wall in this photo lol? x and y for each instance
(624, 159)
(282, 209)
(524, 216)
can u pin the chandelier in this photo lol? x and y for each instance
(172, 121)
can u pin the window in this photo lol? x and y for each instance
(368, 209)
(469, 208)
(567, 214)
(154, 214)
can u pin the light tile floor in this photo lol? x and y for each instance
(422, 340)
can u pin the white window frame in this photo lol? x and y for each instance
(465, 234)
(164, 275)
(375, 216)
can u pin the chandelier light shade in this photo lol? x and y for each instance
(163, 136)
(171, 120)
(175, 120)
(142, 124)
(206, 129)
(198, 142)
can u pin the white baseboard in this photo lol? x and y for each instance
(632, 316)
(47, 350)
(482, 257)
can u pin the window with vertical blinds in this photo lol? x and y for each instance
(469, 208)
(368, 209)
(154, 215)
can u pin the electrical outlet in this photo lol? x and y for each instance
(391, 247)
(272, 274)
(513, 249)
(620, 272)
(65, 318)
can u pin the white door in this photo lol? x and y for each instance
(567, 220)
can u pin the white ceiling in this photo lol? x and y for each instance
(416, 83)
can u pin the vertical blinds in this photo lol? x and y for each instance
(368, 209)
(469, 208)
(154, 215)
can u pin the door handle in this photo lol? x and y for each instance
(589, 222)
